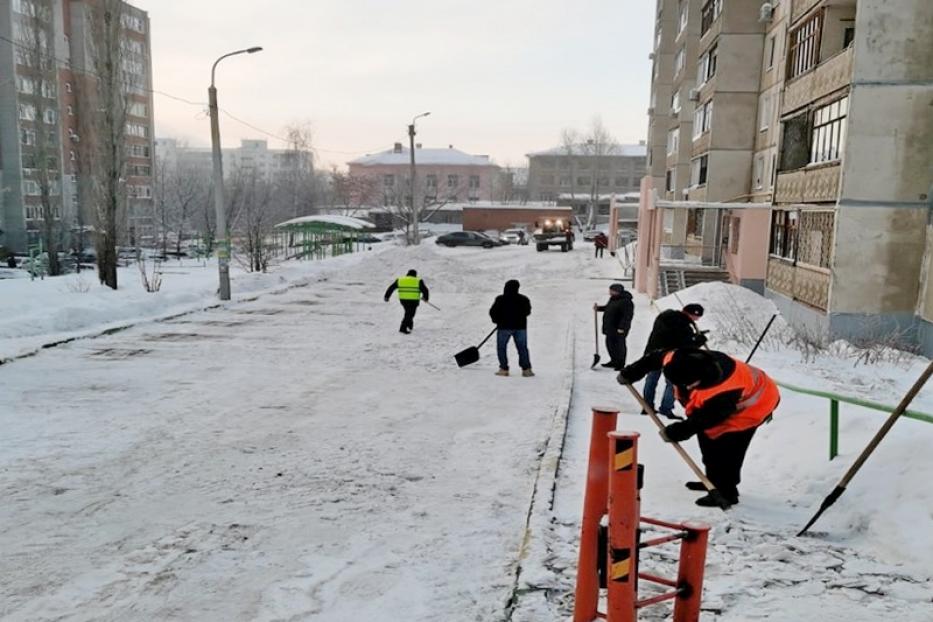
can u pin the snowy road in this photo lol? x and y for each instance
(289, 458)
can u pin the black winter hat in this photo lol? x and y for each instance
(689, 365)
(616, 287)
(694, 309)
(511, 287)
(412, 272)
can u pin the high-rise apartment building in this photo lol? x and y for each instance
(46, 49)
(809, 161)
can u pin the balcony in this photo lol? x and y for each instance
(801, 8)
(799, 282)
(814, 184)
(827, 77)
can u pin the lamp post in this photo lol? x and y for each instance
(222, 243)
(415, 212)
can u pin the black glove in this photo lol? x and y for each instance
(386, 299)
(678, 431)
(623, 379)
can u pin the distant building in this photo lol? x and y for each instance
(499, 216)
(252, 156)
(53, 88)
(443, 175)
(575, 174)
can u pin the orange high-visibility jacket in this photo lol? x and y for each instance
(760, 396)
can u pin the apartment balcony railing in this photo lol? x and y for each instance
(829, 76)
(814, 184)
(800, 282)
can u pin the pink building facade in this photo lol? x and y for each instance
(443, 175)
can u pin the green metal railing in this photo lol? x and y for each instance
(835, 399)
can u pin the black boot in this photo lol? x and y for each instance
(698, 486)
(708, 501)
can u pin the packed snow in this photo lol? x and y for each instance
(290, 456)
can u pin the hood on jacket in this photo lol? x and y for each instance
(511, 287)
(690, 365)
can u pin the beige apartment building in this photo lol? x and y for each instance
(808, 163)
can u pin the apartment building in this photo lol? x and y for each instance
(810, 158)
(253, 156)
(443, 175)
(45, 51)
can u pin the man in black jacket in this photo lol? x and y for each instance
(510, 313)
(672, 329)
(617, 320)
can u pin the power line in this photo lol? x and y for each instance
(66, 64)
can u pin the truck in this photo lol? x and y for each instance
(554, 233)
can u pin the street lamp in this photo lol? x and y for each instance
(222, 243)
(415, 212)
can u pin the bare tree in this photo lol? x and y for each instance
(255, 218)
(599, 146)
(178, 191)
(295, 182)
(38, 113)
(105, 103)
(433, 195)
(352, 192)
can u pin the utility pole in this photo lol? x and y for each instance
(222, 242)
(415, 237)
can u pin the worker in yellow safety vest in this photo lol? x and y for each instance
(411, 290)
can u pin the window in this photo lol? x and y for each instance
(759, 174)
(139, 151)
(621, 182)
(132, 22)
(388, 181)
(68, 87)
(584, 181)
(31, 188)
(783, 234)
(139, 192)
(453, 181)
(684, 9)
(431, 182)
(27, 112)
(137, 129)
(566, 181)
(27, 137)
(26, 86)
(670, 180)
(48, 89)
(72, 155)
(474, 181)
(139, 170)
(848, 36)
(51, 117)
(679, 61)
(815, 237)
(772, 45)
(602, 181)
(673, 141)
(675, 102)
(795, 144)
(764, 112)
(138, 110)
(772, 171)
(699, 170)
(829, 132)
(71, 111)
(706, 67)
(804, 53)
(735, 225)
(703, 119)
(708, 14)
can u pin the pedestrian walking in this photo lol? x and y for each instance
(510, 313)
(617, 320)
(726, 401)
(411, 290)
(600, 242)
(672, 329)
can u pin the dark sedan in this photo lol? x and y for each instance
(467, 238)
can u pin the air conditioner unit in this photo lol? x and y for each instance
(650, 111)
(693, 95)
(651, 56)
(767, 11)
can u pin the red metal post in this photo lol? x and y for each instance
(624, 510)
(690, 572)
(586, 598)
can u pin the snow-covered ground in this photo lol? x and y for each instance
(291, 456)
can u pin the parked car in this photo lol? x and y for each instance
(467, 238)
(589, 236)
(514, 236)
(368, 238)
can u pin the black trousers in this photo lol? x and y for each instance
(723, 457)
(615, 345)
(411, 307)
(599, 251)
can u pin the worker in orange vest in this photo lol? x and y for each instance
(725, 401)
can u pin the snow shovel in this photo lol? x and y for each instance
(596, 335)
(471, 354)
(841, 486)
(432, 305)
(713, 491)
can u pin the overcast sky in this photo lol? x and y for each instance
(500, 77)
